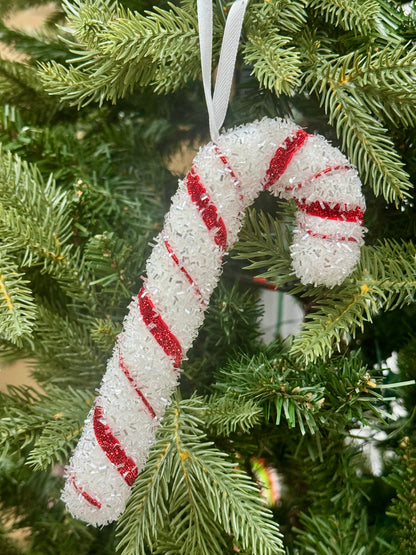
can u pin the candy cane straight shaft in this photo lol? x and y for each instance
(162, 321)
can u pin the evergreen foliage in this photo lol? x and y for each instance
(49, 423)
(89, 124)
(29, 503)
(196, 500)
(350, 16)
(403, 506)
(302, 395)
(384, 280)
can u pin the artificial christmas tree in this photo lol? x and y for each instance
(90, 121)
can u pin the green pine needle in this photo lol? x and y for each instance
(311, 398)
(351, 15)
(337, 535)
(276, 64)
(264, 242)
(228, 414)
(124, 50)
(17, 306)
(365, 139)
(384, 280)
(49, 422)
(36, 225)
(65, 351)
(20, 84)
(402, 508)
(192, 490)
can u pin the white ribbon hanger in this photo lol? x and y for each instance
(218, 103)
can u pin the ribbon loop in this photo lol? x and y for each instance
(218, 103)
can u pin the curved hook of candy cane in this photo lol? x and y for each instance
(182, 271)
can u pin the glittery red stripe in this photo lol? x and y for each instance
(113, 449)
(283, 156)
(85, 495)
(338, 212)
(207, 209)
(331, 237)
(329, 169)
(159, 329)
(146, 403)
(316, 176)
(230, 170)
(184, 270)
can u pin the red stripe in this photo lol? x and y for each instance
(146, 403)
(207, 209)
(230, 170)
(330, 237)
(329, 169)
(338, 212)
(283, 156)
(113, 449)
(182, 269)
(158, 328)
(85, 495)
(316, 176)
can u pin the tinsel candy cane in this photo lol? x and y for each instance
(183, 269)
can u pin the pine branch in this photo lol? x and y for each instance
(384, 280)
(231, 326)
(335, 518)
(380, 78)
(20, 85)
(36, 225)
(48, 423)
(159, 49)
(17, 307)
(276, 64)
(40, 245)
(335, 319)
(88, 19)
(31, 499)
(264, 242)
(61, 433)
(228, 414)
(104, 333)
(364, 138)
(313, 398)
(351, 15)
(192, 491)
(276, 386)
(392, 21)
(232, 319)
(269, 47)
(65, 351)
(166, 38)
(384, 80)
(106, 256)
(287, 16)
(116, 49)
(336, 535)
(402, 507)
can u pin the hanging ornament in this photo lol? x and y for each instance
(202, 224)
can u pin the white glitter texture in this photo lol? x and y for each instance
(320, 252)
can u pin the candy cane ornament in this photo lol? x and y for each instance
(182, 271)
